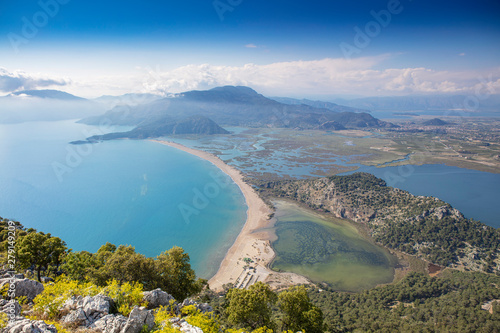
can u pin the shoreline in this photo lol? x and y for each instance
(250, 243)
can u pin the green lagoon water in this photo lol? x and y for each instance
(330, 250)
(125, 192)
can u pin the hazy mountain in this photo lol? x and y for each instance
(236, 106)
(424, 102)
(126, 99)
(45, 105)
(47, 93)
(331, 126)
(435, 122)
(318, 104)
(166, 126)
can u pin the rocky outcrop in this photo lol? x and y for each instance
(184, 326)
(29, 326)
(138, 318)
(23, 287)
(203, 307)
(84, 311)
(439, 213)
(156, 298)
(110, 324)
(76, 317)
(10, 308)
(92, 313)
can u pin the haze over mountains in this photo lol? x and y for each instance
(475, 102)
(205, 111)
(45, 105)
(226, 106)
(48, 93)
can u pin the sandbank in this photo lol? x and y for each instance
(250, 243)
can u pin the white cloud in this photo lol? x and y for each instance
(18, 80)
(461, 54)
(251, 46)
(365, 76)
(324, 77)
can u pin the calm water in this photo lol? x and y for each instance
(329, 251)
(476, 194)
(125, 192)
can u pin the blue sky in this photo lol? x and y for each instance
(278, 47)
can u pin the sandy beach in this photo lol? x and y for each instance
(250, 243)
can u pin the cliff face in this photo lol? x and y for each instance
(419, 225)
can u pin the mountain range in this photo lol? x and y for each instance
(227, 106)
(479, 102)
(47, 93)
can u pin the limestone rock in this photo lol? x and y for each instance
(110, 324)
(77, 317)
(29, 326)
(24, 287)
(10, 307)
(97, 304)
(86, 310)
(139, 317)
(157, 298)
(184, 326)
(203, 307)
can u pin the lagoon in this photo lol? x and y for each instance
(328, 250)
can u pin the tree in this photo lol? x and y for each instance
(299, 313)
(40, 251)
(169, 271)
(123, 265)
(78, 265)
(250, 308)
(175, 275)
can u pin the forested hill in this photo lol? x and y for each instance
(417, 225)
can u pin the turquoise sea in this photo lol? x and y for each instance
(125, 192)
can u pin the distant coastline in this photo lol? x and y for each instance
(250, 243)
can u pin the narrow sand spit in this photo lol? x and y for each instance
(250, 243)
